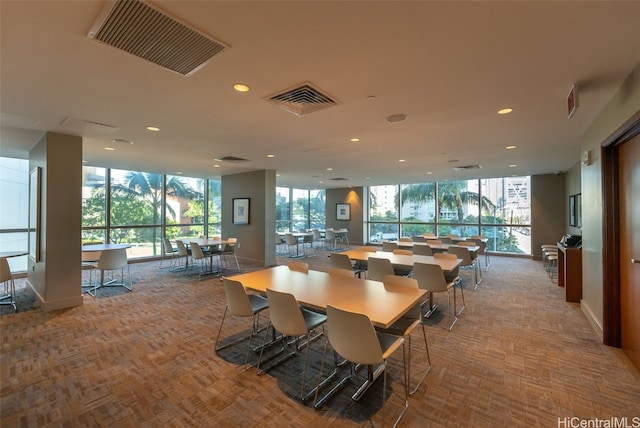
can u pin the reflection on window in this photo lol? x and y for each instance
(498, 207)
(283, 219)
(306, 210)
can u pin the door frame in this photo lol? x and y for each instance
(609, 151)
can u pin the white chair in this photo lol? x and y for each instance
(402, 270)
(110, 261)
(342, 261)
(168, 251)
(199, 257)
(183, 252)
(405, 325)
(307, 242)
(334, 271)
(422, 250)
(378, 268)
(230, 250)
(298, 266)
(352, 336)
(389, 246)
(474, 257)
(292, 241)
(89, 260)
(481, 242)
(330, 236)
(241, 305)
(467, 261)
(318, 238)
(431, 278)
(290, 320)
(6, 278)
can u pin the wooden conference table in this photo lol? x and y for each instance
(441, 248)
(384, 305)
(447, 265)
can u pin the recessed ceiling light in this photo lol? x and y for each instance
(395, 118)
(505, 111)
(429, 173)
(355, 140)
(84, 161)
(401, 160)
(513, 165)
(329, 169)
(510, 147)
(277, 175)
(216, 165)
(178, 172)
(153, 128)
(271, 155)
(109, 149)
(371, 98)
(241, 87)
(320, 181)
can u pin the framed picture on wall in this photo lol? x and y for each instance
(572, 210)
(343, 211)
(240, 210)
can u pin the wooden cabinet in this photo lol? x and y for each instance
(570, 272)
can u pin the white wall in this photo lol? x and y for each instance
(622, 106)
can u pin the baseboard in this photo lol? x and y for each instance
(595, 324)
(52, 305)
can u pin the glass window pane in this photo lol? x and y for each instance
(300, 211)
(215, 208)
(185, 200)
(383, 203)
(94, 209)
(459, 202)
(379, 232)
(317, 212)
(14, 187)
(282, 209)
(136, 198)
(410, 230)
(418, 202)
(145, 241)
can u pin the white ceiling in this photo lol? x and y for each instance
(449, 66)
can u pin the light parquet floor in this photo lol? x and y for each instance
(518, 356)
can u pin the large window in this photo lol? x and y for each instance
(498, 208)
(14, 209)
(298, 209)
(139, 208)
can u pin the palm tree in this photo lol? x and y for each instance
(451, 195)
(148, 187)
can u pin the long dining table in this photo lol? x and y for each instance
(383, 303)
(441, 248)
(319, 289)
(447, 265)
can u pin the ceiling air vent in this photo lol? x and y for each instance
(232, 159)
(466, 167)
(148, 33)
(339, 179)
(302, 100)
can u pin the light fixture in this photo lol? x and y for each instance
(355, 140)
(513, 165)
(510, 147)
(178, 172)
(395, 118)
(505, 110)
(429, 173)
(215, 165)
(153, 128)
(271, 155)
(241, 87)
(329, 169)
(109, 149)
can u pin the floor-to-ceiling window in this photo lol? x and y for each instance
(139, 208)
(14, 209)
(299, 209)
(498, 208)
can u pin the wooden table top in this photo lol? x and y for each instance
(382, 304)
(104, 247)
(447, 265)
(437, 247)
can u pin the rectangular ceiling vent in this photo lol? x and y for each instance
(302, 100)
(232, 159)
(466, 167)
(148, 33)
(339, 179)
